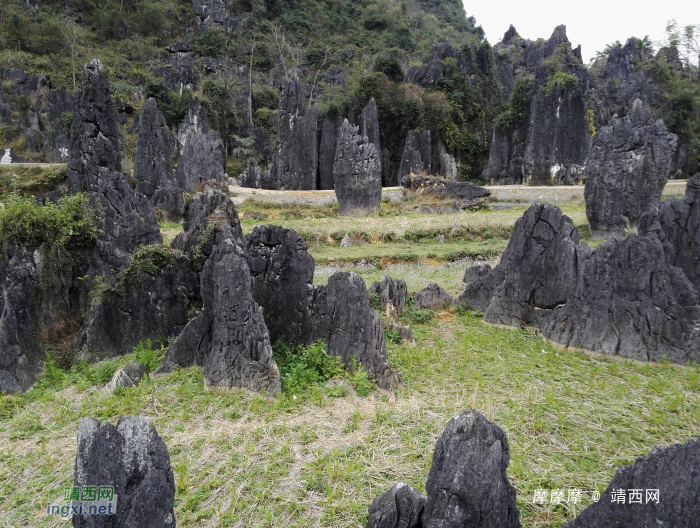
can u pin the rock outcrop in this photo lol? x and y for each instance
(630, 303)
(228, 338)
(538, 270)
(628, 166)
(417, 154)
(152, 301)
(202, 155)
(7, 157)
(675, 224)
(20, 353)
(399, 507)
(130, 375)
(194, 122)
(467, 484)
(544, 137)
(433, 297)
(370, 126)
(357, 176)
(128, 219)
(467, 195)
(665, 487)
(343, 319)
(390, 291)
(132, 458)
(153, 163)
(326, 151)
(283, 271)
(295, 159)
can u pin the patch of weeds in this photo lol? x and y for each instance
(353, 424)
(375, 301)
(305, 366)
(337, 391)
(147, 260)
(359, 378)
(413, 315)
(392, 337)
(147, 356)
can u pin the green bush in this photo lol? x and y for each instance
(71, 222)
(147, 356)
(389, 66)
(305, 366)
(56, 177)
(171, 103)
(519, 109)
(211, 43)
(147, 260)
(568, 82)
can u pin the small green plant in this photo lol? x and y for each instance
(147, 356)
(568, 82)
(305, 366)
(359, 377)
(56, 177)
(375, 301)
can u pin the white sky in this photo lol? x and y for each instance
(591, 23)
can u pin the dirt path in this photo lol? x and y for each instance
(565, 194)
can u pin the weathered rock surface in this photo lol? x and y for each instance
(538, 270)
(395, 325)
(550, 142)
(146, 305)
(194, 122)
(133, 458)
(676, 224)
(630, 303)
(370, 126)
(468, 195)
(628, 166)
(228, 338)
(283, 271)
(390, 291)
(673, 471)
(416, 156)
(211, 14)
(7, 157)
(326, 151)
(295, 159)
(357, 176)
(399, 507)
(467, 484)
(343, 319)
(130, 375)
(128, 220)
(20, 353)
(202, 160)
(153, 163)
(476, 271)
(433, 297)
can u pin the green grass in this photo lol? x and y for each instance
(319, 460)
(30, 179)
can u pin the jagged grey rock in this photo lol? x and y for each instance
(630, 303)
(283, 274)
(343, 319)
(254, 176)
(468, 195)
(467, 484)
(673, 471)
(477, 270)
(145, 305)
(211, 14)
(20, 353)
(202, 160)
(326, 151)
(417, 154)
(399, 507)
(7, 156)
(128, 220)
(538, 269)
(391, 291)
(628, 166)
(133, 458)
(130, 375)
(370, 126)
(228, 338)
(357, 175)
(153, 163)
(194, 122)
(295, 159)
(675, 224)
(433, 297)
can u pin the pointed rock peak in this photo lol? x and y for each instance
(510, 34)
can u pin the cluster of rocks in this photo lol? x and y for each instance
(467, 486)
(627, 298)
(464, 195)
(220, 295)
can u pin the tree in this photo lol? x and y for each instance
(73, 33)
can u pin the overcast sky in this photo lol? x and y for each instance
(591, 23)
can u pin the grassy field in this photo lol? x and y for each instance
(320, 458)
